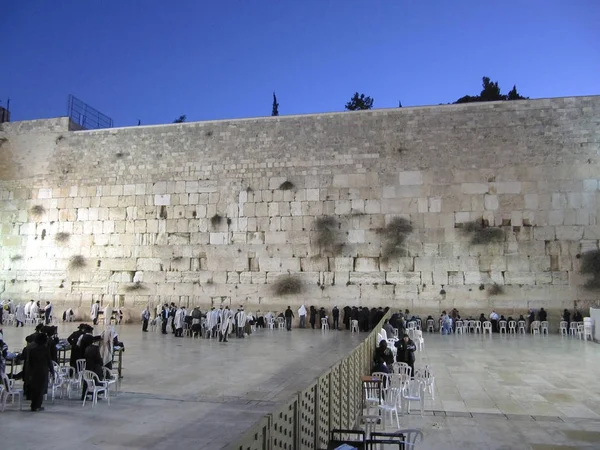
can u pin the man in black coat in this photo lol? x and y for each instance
(93, 361)
(406, 352)
(347, 314)
(36, 371)
(75, 350)
(335, 312)
(313, 317)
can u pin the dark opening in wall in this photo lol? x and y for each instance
(163, 212)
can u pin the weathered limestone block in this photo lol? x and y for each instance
(403, 278)
(366, 265)
(367, 277)
(519, 277)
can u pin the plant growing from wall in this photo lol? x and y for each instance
(286, 186)
(393, 238)
(137, 286)
(482, 234)
(77, 262)
(590, 265)
(327, 236)
(37, 210)
(287, 285)
(216, 220)
(16, 258)
(62, 237)
(495, 289)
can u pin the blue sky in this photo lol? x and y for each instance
(154, 59)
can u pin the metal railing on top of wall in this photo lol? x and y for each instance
(332, 401)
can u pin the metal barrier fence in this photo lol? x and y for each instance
(332, 401)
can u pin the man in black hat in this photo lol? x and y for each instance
(406, 352)
(36, 371)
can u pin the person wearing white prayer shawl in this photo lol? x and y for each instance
(106, 347)
(212, 318)
(302, 316)
(28, 307)
(226, 317)
(20, 315)
(108, 312)
(95, 311)
(48, 312)
(240, 321)
(35, 312)
(179, 321)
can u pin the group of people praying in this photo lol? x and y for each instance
(221, 322)
(31, 310)
(41, 352)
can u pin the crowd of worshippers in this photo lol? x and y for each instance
(447, 321)
(30, 310)
(41, 351)
(367, 318)
(221, 322)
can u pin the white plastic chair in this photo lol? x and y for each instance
(544, 327)
(271, 323)
(70, 379)
(477, 326)
(11, 391)
(56, 382)
(580, 330)
(512, 327)
(354, 326)
(95, 387)
(535, 327)
(402, 369)
(324, 324)
(418, 339)
(424, 374)
(521, 327)
(502, 326)
(562, 328)
(430, 326)
(459, 327)
(390, 405)
(110, 379)
(573, 328)
(9, 319)
(413, 391)
(280, 323)
(487, 327)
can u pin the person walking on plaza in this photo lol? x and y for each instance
(145, 318)
(95, 312)
(289, 315)
(36, 371)
(406, 352)
(302, 315)
(335, 312)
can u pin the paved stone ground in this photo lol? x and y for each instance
(520, 392)
(179, 393)
(523, 392)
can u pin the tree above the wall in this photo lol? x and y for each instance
(491, 92)
(359, 102)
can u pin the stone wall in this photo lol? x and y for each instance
(212, 212)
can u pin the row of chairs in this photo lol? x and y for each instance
(64, 381)
(11, 319)
(391, 394)
(582, 330)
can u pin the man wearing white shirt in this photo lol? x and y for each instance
(95, 312)
(494, 320)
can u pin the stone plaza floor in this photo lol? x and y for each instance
(179, 393)
(516, 392)
(520, 392)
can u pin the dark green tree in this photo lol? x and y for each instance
(275, 110)
(514, 95)
(180, 119)
(359, 102)
(491, 92)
